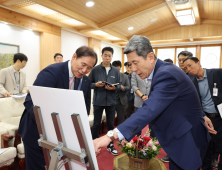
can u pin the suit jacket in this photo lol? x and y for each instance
(213, 76)
(126, 87)
(54, 76)
(174, 111)
(138, 83)
(7, 81)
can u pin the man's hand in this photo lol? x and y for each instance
(99, 84)
(110, 88)
(103, 141)
(7, 94)
(121, 88)
(144, 98)
(209, 125)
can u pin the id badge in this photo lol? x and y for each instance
(215, 91)
(17, 87)
(131, 90)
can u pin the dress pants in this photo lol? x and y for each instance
(120, 109)
(129, 110)
(34, 158)
(98, 112)
(215, 144)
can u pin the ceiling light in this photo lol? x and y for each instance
(191, 39)
(98, 32)
(185, 17)
(89, 3)
(31, 29)
(152, 20)
(130, 28)
(113, 38)
(73, 22)
(178, 2)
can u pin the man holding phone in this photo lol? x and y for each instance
(102, 78)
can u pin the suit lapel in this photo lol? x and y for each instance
(197, 87)
(83, 83)
(11, 72)
(66, 76)
(210, 80)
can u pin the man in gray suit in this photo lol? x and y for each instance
(12, 79)
(121, 97)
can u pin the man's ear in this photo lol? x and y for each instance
(74, 56)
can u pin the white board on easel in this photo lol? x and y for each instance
(65, 102)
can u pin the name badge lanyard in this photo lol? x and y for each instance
(17, 86)
(80, 84)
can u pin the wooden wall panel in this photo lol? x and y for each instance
(28, 22)
(49, 45)
(188, 32)
(96, 45)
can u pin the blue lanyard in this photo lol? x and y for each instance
(15, 78)
(80, 84)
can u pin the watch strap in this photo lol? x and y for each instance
(141, 96)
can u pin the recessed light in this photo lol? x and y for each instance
(130, 28)
(89, 3)
(113, 38)
(98, 32)
(152, 20)
(31, 29)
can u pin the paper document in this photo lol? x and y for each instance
(219, 106)
(18, 96)
(3, 150)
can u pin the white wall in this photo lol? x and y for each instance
(70, 42)
(29, 44)
(117, 55)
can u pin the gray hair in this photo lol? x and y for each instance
(141, 44)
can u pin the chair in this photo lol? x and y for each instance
(10, 114)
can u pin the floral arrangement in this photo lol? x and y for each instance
(147, 148)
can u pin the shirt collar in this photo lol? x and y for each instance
(70, 71)
(151, 75)
(205, 75)
(15, 71)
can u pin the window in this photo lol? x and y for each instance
(167, 53)
(210, 57)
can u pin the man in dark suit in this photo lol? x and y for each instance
(209, 87)
(173, 109)
(67, 75)
(121, 97)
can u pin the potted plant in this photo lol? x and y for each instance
(140, 150)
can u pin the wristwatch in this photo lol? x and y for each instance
(141, 96)
(110, 134)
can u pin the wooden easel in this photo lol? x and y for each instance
(59, 151)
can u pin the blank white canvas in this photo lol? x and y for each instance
(65, 102)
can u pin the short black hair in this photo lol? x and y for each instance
(195, 59)
(57, 54)
(86, 51)
(107, 49)
(185, 53)
(20, 56)
(168, 60)
(117, 63)
(126, 63)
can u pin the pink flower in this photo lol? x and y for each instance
(123, 143)
(157, 143)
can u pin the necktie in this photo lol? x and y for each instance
(76, 83)
(70, 82)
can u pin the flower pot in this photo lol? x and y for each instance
(137, 163)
